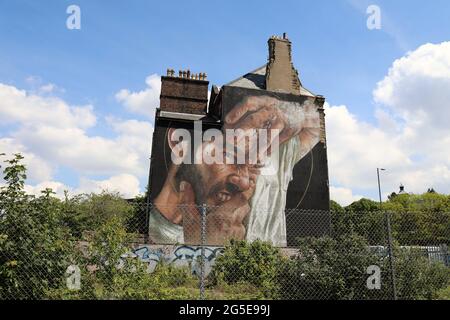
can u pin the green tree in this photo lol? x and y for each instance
(417, 277)
(327, 268)
(110, 271)
(35, 249)
(256, 263)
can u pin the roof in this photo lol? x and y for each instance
(256, 79)
(184, 116)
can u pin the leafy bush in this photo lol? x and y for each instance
(417, 277)
(256, 263)
(35, 247)
(108, 271)
(443, 294)
(41, 236)
(327, 268)
(88, 212)
(235, 291)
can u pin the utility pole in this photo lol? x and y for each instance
(389, 232)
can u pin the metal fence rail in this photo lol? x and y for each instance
(203, 252)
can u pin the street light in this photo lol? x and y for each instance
(379, 185)
(389, 232)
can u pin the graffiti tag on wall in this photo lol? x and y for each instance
(180, 256)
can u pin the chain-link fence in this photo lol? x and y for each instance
(111, 249)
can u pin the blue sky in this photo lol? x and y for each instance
(123, 42)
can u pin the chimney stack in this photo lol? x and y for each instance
(281, 76)
(187, 93)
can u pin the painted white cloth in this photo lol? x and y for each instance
(163, 231)
(267, 221)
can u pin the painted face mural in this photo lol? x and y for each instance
(240, 171)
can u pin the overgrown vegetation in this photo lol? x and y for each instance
(257, 264)
(416, 219)
(40, 236)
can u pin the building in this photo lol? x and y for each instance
(244, 201)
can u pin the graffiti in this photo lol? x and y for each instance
(180, 256)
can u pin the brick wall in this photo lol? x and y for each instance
(184, 95)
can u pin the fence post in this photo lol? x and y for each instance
(202, 258)
(391, 255)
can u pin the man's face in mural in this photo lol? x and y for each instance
(216, 184)
(227, 189)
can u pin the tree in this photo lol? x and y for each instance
(327, 268)
(256, 263)
(35, 248)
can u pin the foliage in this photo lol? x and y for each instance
(89, 212)
(443, 294)
(364, 205)
(417, 277)
(421, 219)
(35, 248)
(369, 224)
(335, 207)
(236, 291)
(327, 268)
(256, 263)
(415, 219)
(109, 272)
(40, 236)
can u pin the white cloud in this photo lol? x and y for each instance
(125, 184)
(356, 149)
(38, 168)
(142, 102)
(74, 148)
(412, 136)
(19, 107)
(56, 187)
(52, 134)
(417, 86)
(343, 196)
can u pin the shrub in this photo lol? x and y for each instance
(109, 272)
(417, 277)
(35, 247)
(327, 268)
(256, 263)
(443, 294)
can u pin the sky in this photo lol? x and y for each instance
(79, 104)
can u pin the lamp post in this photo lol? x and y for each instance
(379, 185)
(389, 232)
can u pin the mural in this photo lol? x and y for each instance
(263, 159)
